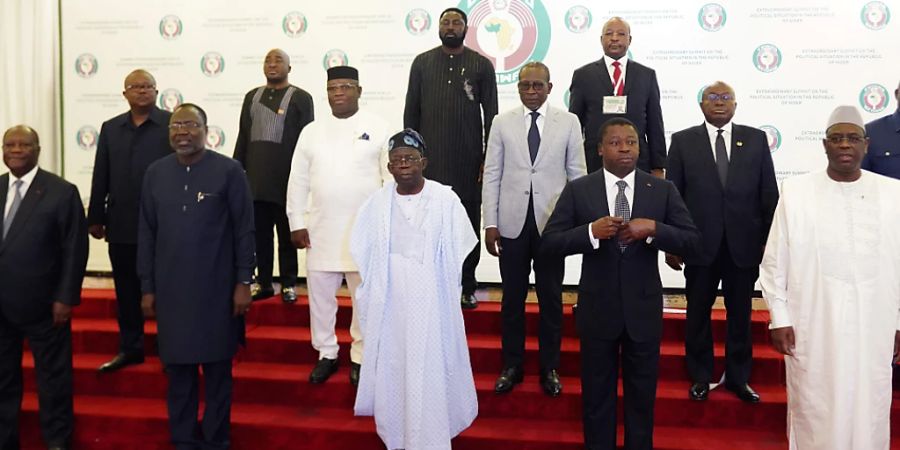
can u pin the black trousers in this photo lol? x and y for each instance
(52, 350)
(516, 260)
(183, 403)
(267, 216)
(737, 286)
(469, 283)
(123, 258)
(599, 379)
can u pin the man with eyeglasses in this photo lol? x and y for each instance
(725, 175)
(339, 160)
(195, 261)
(451, 99)
(617, 86)
(128, 144)
(829, 277)
(533, 151)
(884, 143)
(272, 118)
(409, 241)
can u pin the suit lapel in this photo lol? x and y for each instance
(738, 154)
(630, 74)
(706, 154)
(548, 134)
(29, 202)
(522, 136)
(4, 187)
(640, 204)
(603, 74)
(599, 202)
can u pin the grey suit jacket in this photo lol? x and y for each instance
(510, 177)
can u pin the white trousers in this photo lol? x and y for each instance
(323, 307)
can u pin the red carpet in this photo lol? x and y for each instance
(276, 408)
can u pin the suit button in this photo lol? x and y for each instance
(527, 193)
(533, 171)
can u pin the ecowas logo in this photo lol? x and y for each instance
(86, 137)
(874, 98)
(335, 57)
(767, 58)
(294, 24)
(417, 22)
(875, 15)
(170, 27)
(86, 65)
(578, 19)
(170, 99)
(510, 33)
(212, 64)
(712, 17)
(215, 137)
(773, 136)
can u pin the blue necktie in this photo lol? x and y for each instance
(622, 208)
(17, 200)
(534, 136)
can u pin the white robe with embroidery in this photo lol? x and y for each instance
(417, 379)
(832, 271)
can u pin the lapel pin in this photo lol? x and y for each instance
(740, 143)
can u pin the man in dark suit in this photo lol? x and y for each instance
(128, 144)
(619, 218)
(615, 86)
(725, 174)
(43, 254)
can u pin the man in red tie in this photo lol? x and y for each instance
(616, 86)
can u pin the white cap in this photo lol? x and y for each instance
(845, 114)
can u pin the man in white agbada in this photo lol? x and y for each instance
(338, 162)
(409, 241)
(831, 278)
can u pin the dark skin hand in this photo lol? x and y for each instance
(674, 261)
(61, 314)
(637, 230)
(492, 241)
(783, 340)
(148, 305)
(97, 231)
(300, 238)
(897, 347)
(241, 299)
(606, 227)
(658, 173)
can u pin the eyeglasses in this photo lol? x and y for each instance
(189, 126)
(853, 139)
(341, 87)
(405, 160)
(717, 97)
(538, 86)
(140, 87)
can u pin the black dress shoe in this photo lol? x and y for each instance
(258, 292)
(744, 392)
(699, 391)
(551, 384)
(508, 378)
(121, 360)
(354, 373)
(288, 295)
(324, 368)
(468, 301)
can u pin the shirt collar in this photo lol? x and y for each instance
(712, 129)
(156, 116)
(26, 179)
(612, 179)
(542, 111)
(609, 60)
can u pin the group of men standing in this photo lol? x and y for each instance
(376, 210)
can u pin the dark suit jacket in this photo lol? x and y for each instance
(43, 257)
(620, 290)
(123, 155)
(743, 208)
(590, 83)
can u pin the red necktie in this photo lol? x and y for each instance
(618, 87)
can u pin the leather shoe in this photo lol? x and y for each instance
(288, 294)
(468, 301)
(508, 378)
(744, 392)
(354, 373)
(257, 292)
(121, 360)
(324, 368)
(57, 447)
(699, 391)
(551, 384)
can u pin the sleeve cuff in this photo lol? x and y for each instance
(296, 222)
(779, 315)
(595, 243)
(490, 226)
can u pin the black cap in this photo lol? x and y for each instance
(408, 138)
(343, 72)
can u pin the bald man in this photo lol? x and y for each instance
(43, 253)
(128, 144)
(271, 121)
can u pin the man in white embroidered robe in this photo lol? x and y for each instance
(409, 241)
(831, 278)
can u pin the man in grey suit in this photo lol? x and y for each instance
(532, 152)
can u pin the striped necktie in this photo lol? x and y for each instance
(17, 200)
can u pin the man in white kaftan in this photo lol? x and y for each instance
(339, 161)
(409, 244)
(831, 278)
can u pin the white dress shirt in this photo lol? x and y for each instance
(542, 114)
(23, 189)
(726, 135)
(611, 192)
(623, 62)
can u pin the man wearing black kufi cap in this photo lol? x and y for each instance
(339, 160)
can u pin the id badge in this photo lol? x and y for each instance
(615, 104)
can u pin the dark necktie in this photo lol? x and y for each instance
(534, 136)
(17, 200)
(721, 158)
(622, 208)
